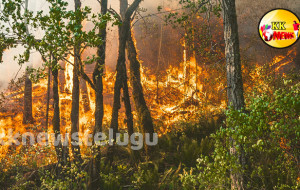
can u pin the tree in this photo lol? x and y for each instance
(49, 46)
(233, 60)
(76, 88)
(144, 115)
(63, 37)
(99, 107)
(27, 112)
(68, 31)
(127, 104)
(48, 97)
(234, 77)
(121, 78)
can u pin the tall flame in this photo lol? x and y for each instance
(69, 75)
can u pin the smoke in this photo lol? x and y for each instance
(10, 69)
(249, 14)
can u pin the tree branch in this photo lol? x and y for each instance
(132, 8)
(114, 12)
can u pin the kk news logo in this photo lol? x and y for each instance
(279, 28)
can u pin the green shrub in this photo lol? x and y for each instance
(268, 135)
(114, 180)
(73, 178)
(147, 177)
(187, 143)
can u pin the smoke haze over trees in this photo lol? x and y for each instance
(140, 94)
(249, 14)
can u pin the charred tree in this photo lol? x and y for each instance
(127, 104)
(126, 95)
(128, 110)
(234, 79)
(48, 97)
(144, 115)
(121, 67)
(76, 93)
(27, 112)
(56, 117)
(99, 107)
(143, 112)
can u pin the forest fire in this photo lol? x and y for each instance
(178, 99)
(181, 94)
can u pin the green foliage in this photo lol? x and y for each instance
(5, 43)
(113, 179)
(147, 177)
(71, 178)
(170, 179)
(268, 136)
(187, 143)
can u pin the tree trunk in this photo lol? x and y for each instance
(27, 112)
(143, 112)
(234, 79)
(127, 104)
(99, 108)
(123, 8)
(121, 68)
(232, 52)
(56, 117)
(76, 94)
(48, 97)
(129, 116)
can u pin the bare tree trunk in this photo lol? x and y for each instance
(99, 108)
(48, 97)
(121, 68)
(76, 94)
(234, 79)
(233, 62)
(143, 112)
(129, 116)
(56, 117)
(127, 104)
(123, 8)
(27, 112)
